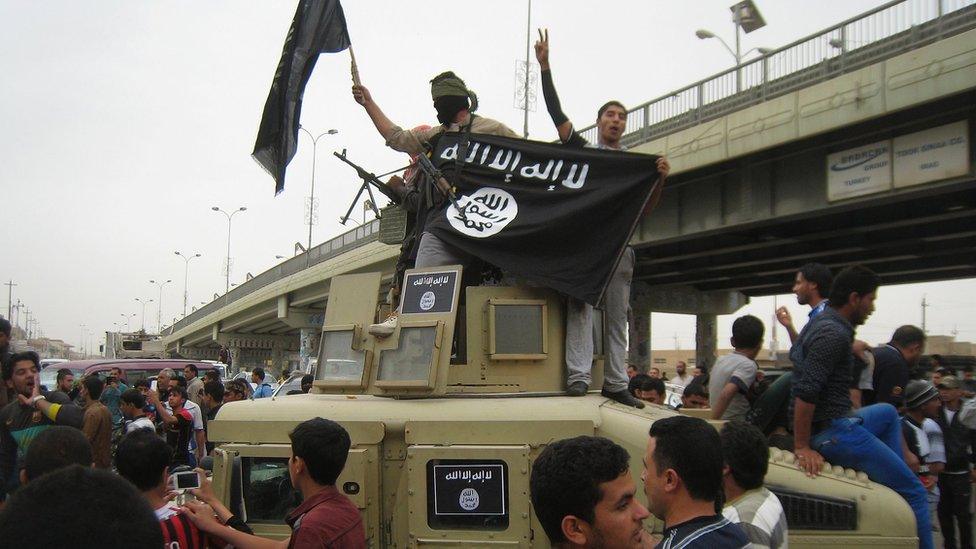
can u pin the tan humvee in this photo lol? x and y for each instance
(442, 447)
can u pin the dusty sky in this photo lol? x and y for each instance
(124, 122)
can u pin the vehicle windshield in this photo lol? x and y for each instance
(294, 383)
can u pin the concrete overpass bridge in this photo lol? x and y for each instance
(852, 145)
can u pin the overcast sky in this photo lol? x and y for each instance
(124, 122)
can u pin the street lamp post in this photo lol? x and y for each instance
(186, 274)
(311, 198)
(81, 341)
(230, 216)
(128, 318)
(144, 303)
(159, 304)
(745, 17)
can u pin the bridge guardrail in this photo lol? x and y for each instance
(888, 30)
(348, 240)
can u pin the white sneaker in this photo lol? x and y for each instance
(385, 328)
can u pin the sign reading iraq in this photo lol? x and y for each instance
(556, 215)
(431, 292)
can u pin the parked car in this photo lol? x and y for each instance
(133, 369)
(49, 373)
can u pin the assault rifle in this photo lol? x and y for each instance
(437, 177)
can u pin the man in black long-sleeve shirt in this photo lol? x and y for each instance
(869, 439)
(954, 481)
(32, 412)
(611, 124)
(893, 362)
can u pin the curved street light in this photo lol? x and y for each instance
(186, 274)
(311, 198)
(159, 304)
(230, 217)
(144, 302)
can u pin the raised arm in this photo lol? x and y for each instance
(563, 126)
(380, 120)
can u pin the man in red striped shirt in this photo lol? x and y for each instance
(143, 459)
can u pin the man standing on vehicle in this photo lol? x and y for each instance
(611, 123)
(811, 287)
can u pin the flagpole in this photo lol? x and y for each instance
(353, 67)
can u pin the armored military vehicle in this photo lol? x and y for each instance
(448, 414)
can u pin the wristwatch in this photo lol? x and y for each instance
(35, 400)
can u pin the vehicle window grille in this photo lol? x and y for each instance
(806, 512)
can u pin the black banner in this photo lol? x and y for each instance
(558, 216)
(319, 26)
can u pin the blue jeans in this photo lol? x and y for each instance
(871, 441)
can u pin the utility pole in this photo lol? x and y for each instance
(774, 346)
(528, 38)
(10, 298)
(925, 305)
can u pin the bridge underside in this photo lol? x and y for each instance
(767, 214)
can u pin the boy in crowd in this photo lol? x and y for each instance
(179, 425)
(924, 436)
(733, 374)
(98, 423)
(143, 459)
(747, 503)
(133, 407)
(325, 518)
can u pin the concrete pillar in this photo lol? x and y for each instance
(706, 340)
(308, 345)
(278, 357)
(235, 359)
(639, 338)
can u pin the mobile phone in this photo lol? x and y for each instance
(185, 481)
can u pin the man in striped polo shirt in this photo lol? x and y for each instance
(747, 503)
(682, 480)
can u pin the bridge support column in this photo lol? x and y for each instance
(639, 349)
(308, 345)
(235, 358)
(706, 340)
(278, 363)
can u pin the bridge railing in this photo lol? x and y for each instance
(348, 240)
(888, 30)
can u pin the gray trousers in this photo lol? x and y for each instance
(434, 252)
(579, 331)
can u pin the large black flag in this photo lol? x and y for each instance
(319, 26)
(557, 215)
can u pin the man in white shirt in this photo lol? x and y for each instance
(682, 376)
